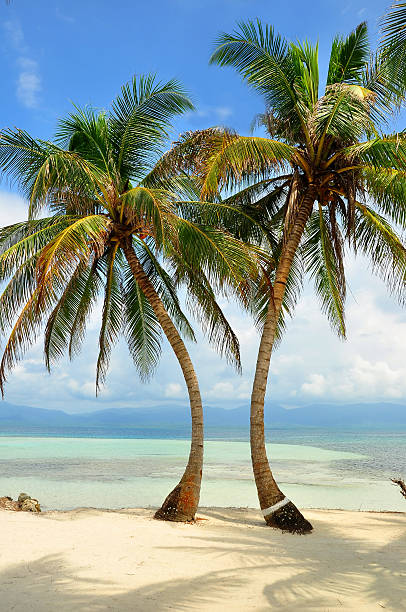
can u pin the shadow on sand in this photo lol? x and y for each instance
(280, 571)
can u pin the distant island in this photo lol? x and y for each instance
(387, 415)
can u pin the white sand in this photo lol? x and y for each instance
(125, 560)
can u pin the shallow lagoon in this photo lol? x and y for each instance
(120, 472)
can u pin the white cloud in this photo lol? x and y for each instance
(229, 390)
(223, 112)
(28, 86)
(219, 113)
(63, 16)
(28, 83)
(316, 385)
(174, 390)
(12, 208)
(14, 33)
(222, 390)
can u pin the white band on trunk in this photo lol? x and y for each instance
(276, 506)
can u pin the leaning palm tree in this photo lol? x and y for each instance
(324, 174)
(113, 228)
(335, 176)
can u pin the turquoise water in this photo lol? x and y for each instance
(318, 469)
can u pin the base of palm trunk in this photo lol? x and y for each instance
(181, 504)
(289, 518)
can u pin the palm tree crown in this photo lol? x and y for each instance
(331, 147)
(97, 183)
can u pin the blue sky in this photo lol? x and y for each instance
(57, 52)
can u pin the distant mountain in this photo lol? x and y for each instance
(314, 415)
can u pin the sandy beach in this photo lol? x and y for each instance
(123, 560)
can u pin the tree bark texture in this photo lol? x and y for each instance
(277, 510)
(181, 503)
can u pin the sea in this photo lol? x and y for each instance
(121, 468)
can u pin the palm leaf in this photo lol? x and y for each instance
(323, 260)
(349, 56)
(141, 115)
(265, 62)
(141, 329)
(112, 316)
(384, 248)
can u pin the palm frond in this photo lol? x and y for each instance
(112, 316)
(349, 56)
(384, 248)
(394, 26)
(141, 116)
(165, 286)
(74, 243)
(387, 187)
(264, 60)
(202, 302)
(386, 152)
(88, 289)
(63, 321)
(141, 329)
(322, 253)
(239, 158)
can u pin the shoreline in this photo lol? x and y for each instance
(124, 560)
(203, 509)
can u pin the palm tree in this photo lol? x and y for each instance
(326, 173)
(112, 225)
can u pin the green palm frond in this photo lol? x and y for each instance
(223, 258)
(27, 326)
(265, 61)
(88, 289)
(74, 243)
(16, 292)
(384, 248)
(141, 329)
(394, 26)
(86, 132)
(72, 306)
(305, 58)
(323, 258)
(22, 241)
(343, 113)
(386, 83)
(202, 302)
(44, 172)
(237, 158)
(112, 315)
(349, 56)
(141, 116)
(165, 286)
(387, 187)
(386, 152)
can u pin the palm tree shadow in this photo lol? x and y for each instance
(49, 583)
(320, 571)
(327, 570)
(239, 516)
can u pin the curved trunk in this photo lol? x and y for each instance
(278, 511)
(181, 504)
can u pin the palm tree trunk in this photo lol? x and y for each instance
(181, 504)
(278, 511)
